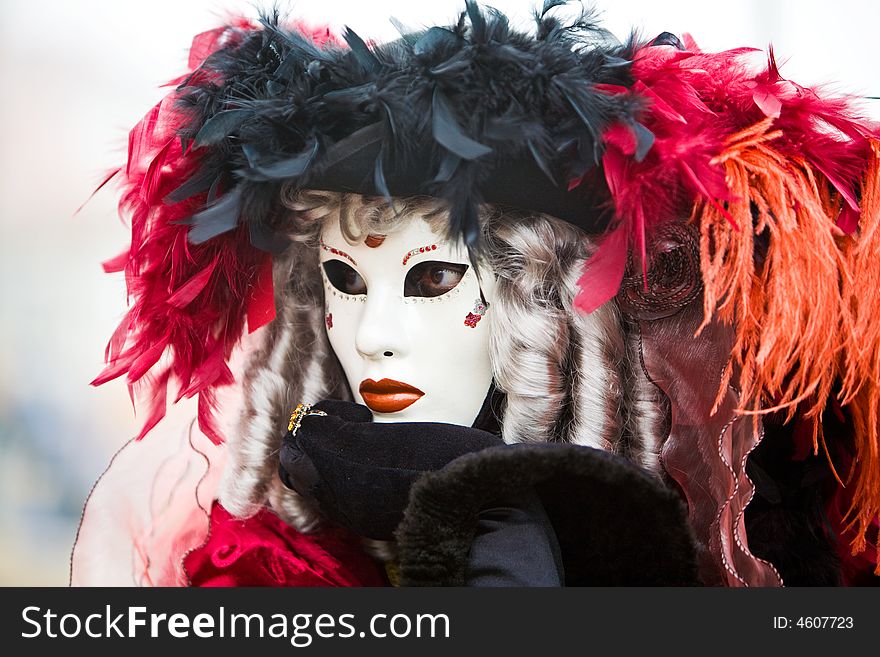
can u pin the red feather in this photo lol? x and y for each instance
(214, 372)
(207, 422)
(117, 340)
(193, 287)
(206, 43)
(190, 302)
(110, 175)
(115, 264)
(140, 138)
(145, 361)
(114, 370)
(603, 272)
(158, 404)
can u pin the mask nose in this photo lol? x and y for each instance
(382, 332)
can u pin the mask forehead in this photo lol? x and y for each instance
(402, 243)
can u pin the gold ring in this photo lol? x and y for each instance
(298, 414)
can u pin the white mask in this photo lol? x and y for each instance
(412, 337)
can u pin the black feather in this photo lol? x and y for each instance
(219, 126)
(214, 191)
(586, 114)
(644, 140)
(289, 65)
(478, 21)
(354, 146)
(275, 88)
(550, 4)
(288, 168)
(449, 134)
(379, 176)
(448, 111)
(498, 29)
(197, 184)
(361, 52)
(448, 165)
(251, 154)
(389, 115)
(515, 126)
(406, 33)
(616, 62)
(351, 96)
(541, 162)
(667, 39)
(437, 40)
(216, 219)
(451, 67)
(266, 239)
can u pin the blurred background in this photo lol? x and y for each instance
(77, 75)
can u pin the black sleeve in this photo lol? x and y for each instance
(515, 544)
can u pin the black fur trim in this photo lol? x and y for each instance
(616, 525)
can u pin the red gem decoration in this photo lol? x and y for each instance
(337, 252)
(329, 320)
(471, 320)
(421, 249)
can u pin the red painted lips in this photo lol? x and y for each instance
(388, 395)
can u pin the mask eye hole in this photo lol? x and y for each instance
(432, 278)
(344, 278)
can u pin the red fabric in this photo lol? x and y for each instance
(264, 551)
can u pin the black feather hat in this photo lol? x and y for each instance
(471, 113)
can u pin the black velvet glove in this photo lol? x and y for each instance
(360, 472)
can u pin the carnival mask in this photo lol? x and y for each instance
(409, 323)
